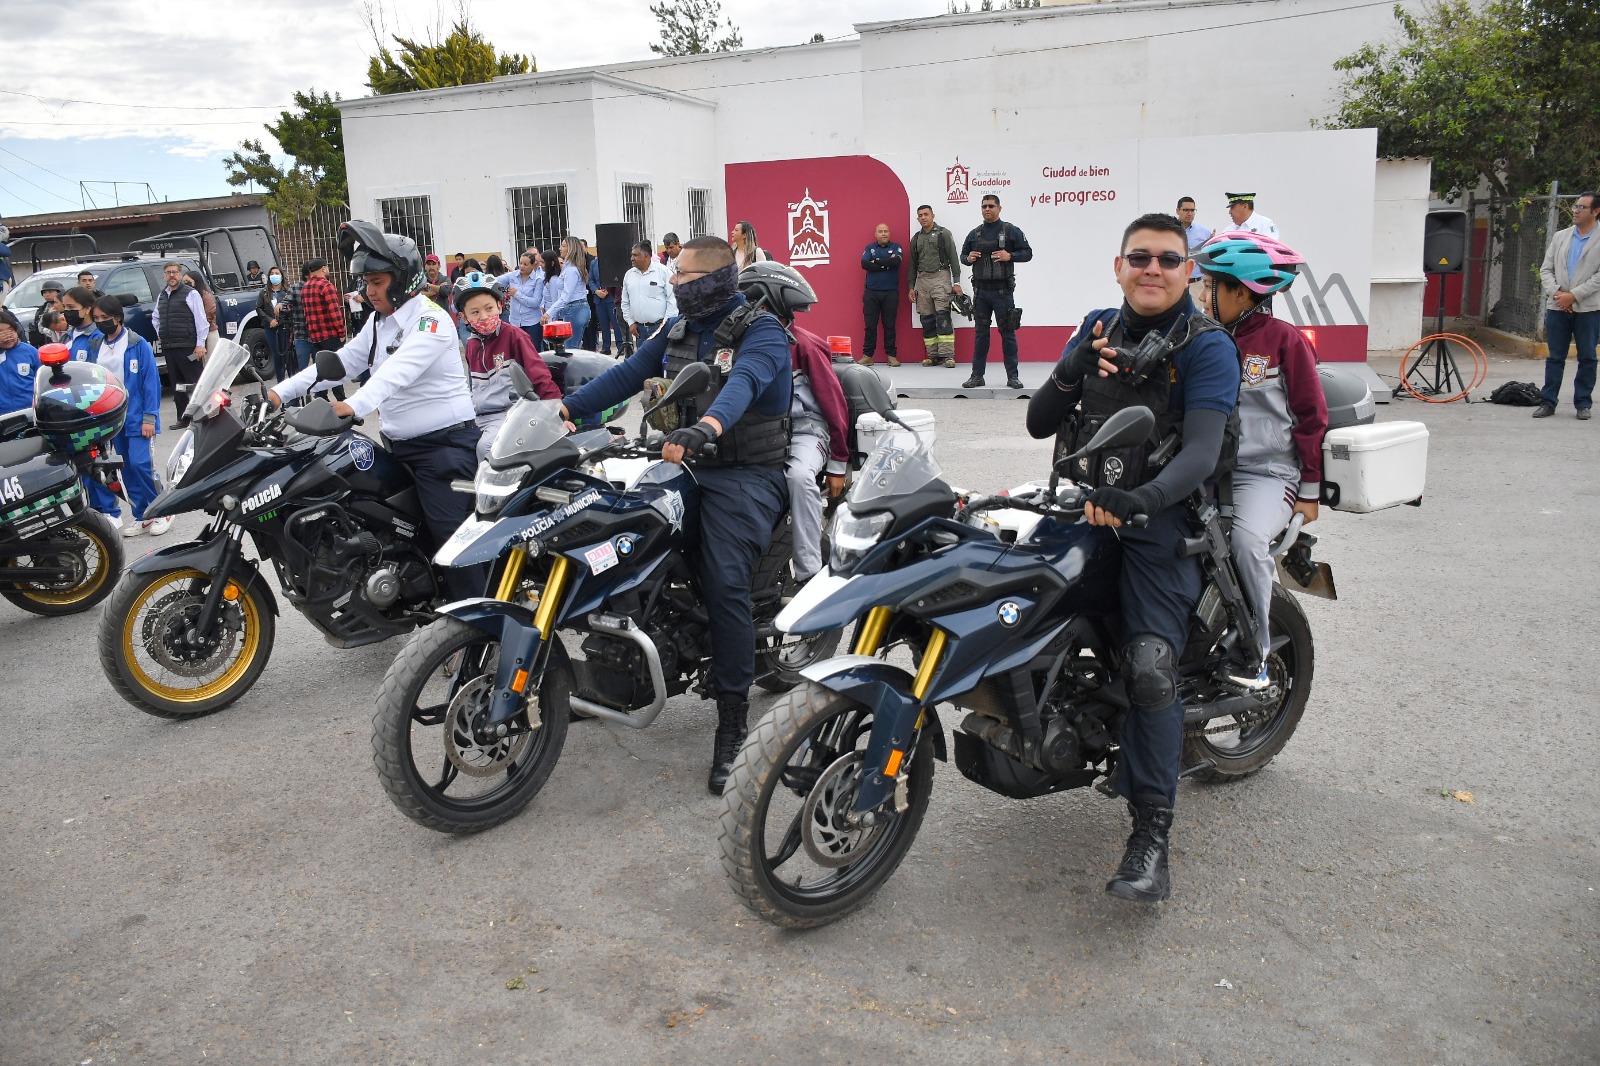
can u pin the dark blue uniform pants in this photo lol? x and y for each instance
(739, 508)
(1159, 593)
(436, 459)
(993, 304)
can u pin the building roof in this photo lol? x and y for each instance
(522, 81)
(127, 213)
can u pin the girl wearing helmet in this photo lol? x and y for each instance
(1282, 414)
(491, 345)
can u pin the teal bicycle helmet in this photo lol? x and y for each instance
(1260, 264)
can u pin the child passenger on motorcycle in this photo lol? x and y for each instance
(491, 346)
(1282, 417)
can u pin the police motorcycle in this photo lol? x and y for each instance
(1016, 632)
(190, 627)
(58, 555)
(595, 613)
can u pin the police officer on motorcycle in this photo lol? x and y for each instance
(418, 386)
(1157, 350)
(742, 488)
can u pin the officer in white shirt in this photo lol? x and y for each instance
(418, 386)
(1242, 209)
(647, 296)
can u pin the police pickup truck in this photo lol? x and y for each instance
(217, 255)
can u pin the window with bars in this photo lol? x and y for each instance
(409, 216)
(699, 213)
(538, 216)
(637, 208)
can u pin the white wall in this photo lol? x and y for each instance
(1400, 202)
(666, 144)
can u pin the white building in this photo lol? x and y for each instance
(1188, 98)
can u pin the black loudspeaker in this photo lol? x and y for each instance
(613, 245)
(1444, 242)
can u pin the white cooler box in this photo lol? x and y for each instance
(873, 429)
(1368, 468)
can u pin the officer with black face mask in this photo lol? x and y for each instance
(742, 487)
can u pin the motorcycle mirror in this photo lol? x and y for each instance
(691, 381)
(520, 382)
(329, 366)
(1127, 426)
(127, 299)
(863, 388)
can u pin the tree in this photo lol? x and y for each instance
(312, 137)
(690, 28)
(1507, 92)
(463, 57)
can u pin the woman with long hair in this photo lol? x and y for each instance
(746, 250)
(197, 283)
(494, 266)
(570, 300)
(270, 309)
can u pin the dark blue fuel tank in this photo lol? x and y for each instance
(364, 465)
(1089, 557)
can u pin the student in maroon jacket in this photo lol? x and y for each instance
(491, 346)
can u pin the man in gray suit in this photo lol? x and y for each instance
(1570, 278)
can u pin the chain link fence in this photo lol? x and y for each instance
(1518, 235)
(315, 237)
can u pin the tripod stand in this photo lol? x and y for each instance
(1442, 367)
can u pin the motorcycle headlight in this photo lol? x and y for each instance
(493, 487)
(178, 461)
(854, 535)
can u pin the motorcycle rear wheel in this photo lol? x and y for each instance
(806, 752)
(1243, 751)
(100, 551)
(437, 683)
(144, 615)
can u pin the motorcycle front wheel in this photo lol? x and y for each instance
(434, 762)
(154, 657)
(788, 846)
(93, 550)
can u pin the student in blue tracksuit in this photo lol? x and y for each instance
(128, 356)
(19, 362)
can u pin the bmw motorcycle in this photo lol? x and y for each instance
(59, 556)
(595, 613)
(1016, 628)
(190, 626)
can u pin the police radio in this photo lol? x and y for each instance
(1136, 365)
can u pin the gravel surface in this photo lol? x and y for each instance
(238, 888)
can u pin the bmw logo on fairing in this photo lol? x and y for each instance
(361, 453)
(1009, 613)
(624, 545)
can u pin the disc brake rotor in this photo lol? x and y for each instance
(465, 751)
(166, 624)
(829, 839)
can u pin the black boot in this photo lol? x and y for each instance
(1142, 877)
(732, 715)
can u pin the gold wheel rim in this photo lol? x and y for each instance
(78, 593)
(250, 641)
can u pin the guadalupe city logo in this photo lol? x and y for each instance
(808, 232)
(960, 182)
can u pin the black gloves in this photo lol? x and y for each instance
(1079, 361)
(691, 438)
(1123, 503)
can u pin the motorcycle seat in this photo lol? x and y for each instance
(17, 452)
(14, 423)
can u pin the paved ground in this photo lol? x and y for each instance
(238, 888)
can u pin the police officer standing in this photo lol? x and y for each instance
(742, 487)
(418, 386)
(1193, 392)
(993, 250)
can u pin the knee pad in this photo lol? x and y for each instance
(1152, 673)
(945, 328)
(930, 325)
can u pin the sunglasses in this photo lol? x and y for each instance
(1141, 260)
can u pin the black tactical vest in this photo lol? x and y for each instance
(1130, 467)
(986, 271)
(756, 439)
(177, 333)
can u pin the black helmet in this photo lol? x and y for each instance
(471, 284)
(777, 287)
(571, 370)
(372, 251)
(961, 304)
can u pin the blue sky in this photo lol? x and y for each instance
(156, 95)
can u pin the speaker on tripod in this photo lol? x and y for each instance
(1444, 252)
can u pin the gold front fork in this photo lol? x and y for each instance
(511, 575)
(544, 618)
(870, 637)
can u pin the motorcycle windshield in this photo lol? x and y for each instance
(898, 467)
(221, 367)
(530, 427)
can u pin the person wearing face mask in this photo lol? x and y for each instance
(129, 358)
(270, 309)
(492, 344)
(75, 306)
(743, 491)
(19, 362)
